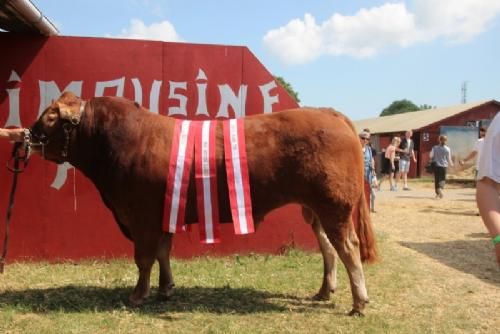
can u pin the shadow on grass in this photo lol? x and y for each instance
(413, 197)
(432, 196)
(451, 212)
(475, 257)
(185, 299)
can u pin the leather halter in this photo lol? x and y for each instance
(38, 138)
(68, 127)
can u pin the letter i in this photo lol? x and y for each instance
(14, 118)
(201, 84)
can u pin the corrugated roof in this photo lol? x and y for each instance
(413, 120)
(24, 17)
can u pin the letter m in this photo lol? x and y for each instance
(50, 91)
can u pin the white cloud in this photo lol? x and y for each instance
(161, 31)
(457, 20)
(298, 42)
(371, 30)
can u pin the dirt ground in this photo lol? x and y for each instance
(449, 245)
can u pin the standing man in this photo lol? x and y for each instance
(406, 153)
(441, 155)
(12, 134)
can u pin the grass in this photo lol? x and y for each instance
(244, 294)
(238, 294)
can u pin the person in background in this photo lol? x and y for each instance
(368, 163)
(374, 157)
(441, 155)
(389, 166)
(488, 183)
(476, 150)
(406, 153)
(12, 134)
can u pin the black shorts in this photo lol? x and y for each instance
(386, 166)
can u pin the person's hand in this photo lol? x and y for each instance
(16, 134)
(461, 162)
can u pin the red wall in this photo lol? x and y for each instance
(69, 220)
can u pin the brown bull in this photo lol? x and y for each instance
(306, 156)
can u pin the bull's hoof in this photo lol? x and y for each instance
(134, 301)
(164, 294)
(162, 297)
(356, 313)
(321, 296)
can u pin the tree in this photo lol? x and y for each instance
(426, 106)
(399, 107)
(288, 88)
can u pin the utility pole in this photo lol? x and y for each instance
(464, 92)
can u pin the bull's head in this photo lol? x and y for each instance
(51, 134)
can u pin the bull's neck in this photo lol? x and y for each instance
(90, 151)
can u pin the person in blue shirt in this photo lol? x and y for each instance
(369, 165)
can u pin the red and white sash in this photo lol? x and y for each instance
(237, 176)
(189, 136)
(206, 182)
(181, 158)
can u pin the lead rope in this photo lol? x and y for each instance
(74, 188)
(16, 171)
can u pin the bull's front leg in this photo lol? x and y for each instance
(145, 252)
(166, 284)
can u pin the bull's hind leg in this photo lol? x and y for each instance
(329, 284)
(145, 253)
(344, 239)
(166, 285)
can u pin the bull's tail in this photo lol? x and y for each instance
(364, 230)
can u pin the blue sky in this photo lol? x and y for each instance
(355, 56)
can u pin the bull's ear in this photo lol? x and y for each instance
(69, 99)
(64, 110)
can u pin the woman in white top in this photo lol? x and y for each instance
(476, 151)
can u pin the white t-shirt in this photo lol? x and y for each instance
(489, 162)
(478, 146)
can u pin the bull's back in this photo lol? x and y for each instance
(301, 154)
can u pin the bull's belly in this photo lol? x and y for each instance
(263, 201)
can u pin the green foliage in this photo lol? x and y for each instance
(426, 106)
(288, 87)
(399, 107)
